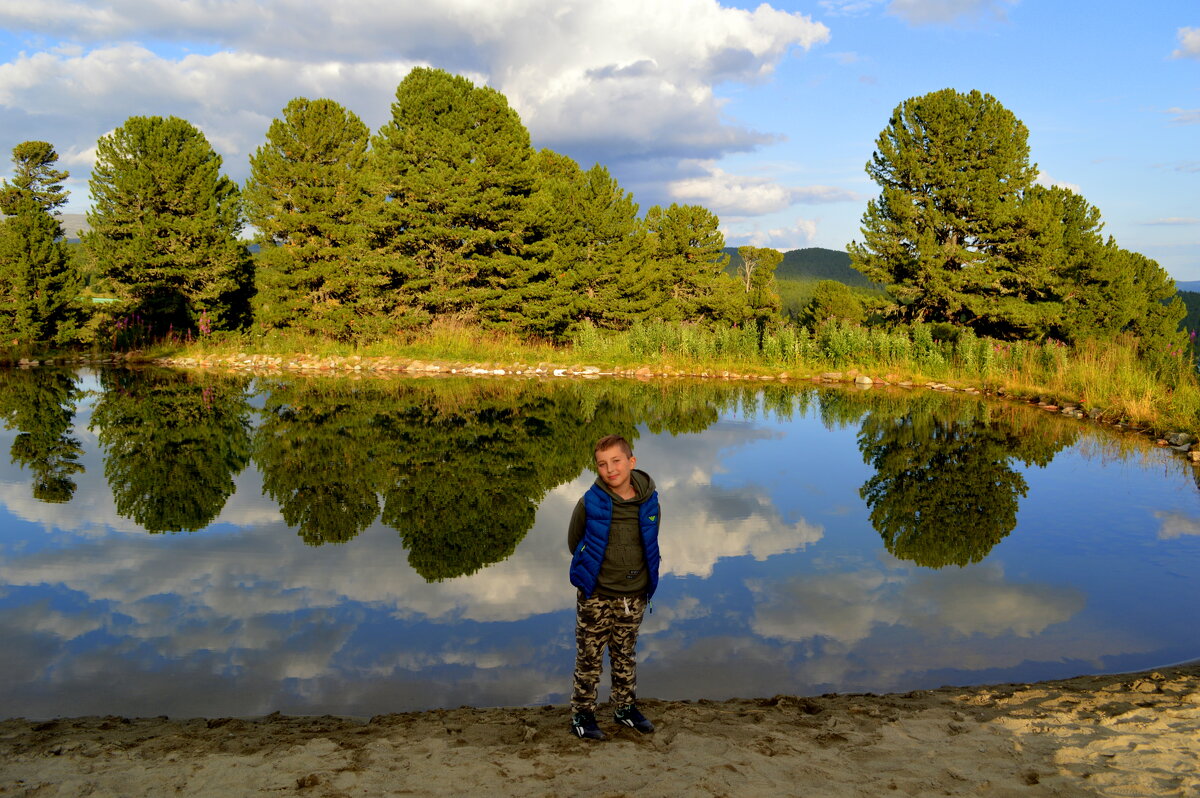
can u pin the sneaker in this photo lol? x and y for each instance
(583, 724)
(629, 715)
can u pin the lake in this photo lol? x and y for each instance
(204, 545)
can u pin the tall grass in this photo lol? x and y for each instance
(1157, 390)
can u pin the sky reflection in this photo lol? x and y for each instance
(774, 581)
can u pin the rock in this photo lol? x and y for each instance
(863, 379)
(1180, 439)
(832, 376)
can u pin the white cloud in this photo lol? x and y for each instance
(1184, 116)
(1176, 525)
(800, 234)
(921, 12)
(1049, 182)
(1189, 43)
(606, 82)
(744, 195)
(847, 607)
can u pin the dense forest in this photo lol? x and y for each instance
(448, 212)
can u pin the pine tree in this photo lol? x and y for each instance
(597, 250)
(38, 279)
(165, 223)
(34, 175)
(310, 197)
(687, 249)
(952, 168)
(756, 273)
(456, 166)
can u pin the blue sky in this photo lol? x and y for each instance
(765, 113)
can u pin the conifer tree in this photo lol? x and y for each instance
(952, 168)
(687, 248)
(38, 279)
(456, 166)
(165, 223)
(34, 176)
(309, 195)
(597, 250)
(756, 273)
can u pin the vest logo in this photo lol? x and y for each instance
(653, 518)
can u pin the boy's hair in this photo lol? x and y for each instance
(609, 441)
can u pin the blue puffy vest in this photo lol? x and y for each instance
(589, 554)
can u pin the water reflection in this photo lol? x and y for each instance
(448, 501)
(172, 443)
(945, 490)
(39, 404)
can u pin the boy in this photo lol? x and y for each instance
(613, 538)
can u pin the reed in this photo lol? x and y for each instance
(1155, 390)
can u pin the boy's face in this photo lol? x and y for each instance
(615, 467)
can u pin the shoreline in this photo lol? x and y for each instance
(1119, 734)
(357, 367)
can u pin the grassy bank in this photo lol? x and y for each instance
(1111, 380)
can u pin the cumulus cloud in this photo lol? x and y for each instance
(612, 82)
(1049, 182)
(1189, 43)
(745, 195)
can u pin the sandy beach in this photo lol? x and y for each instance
(1119, 735)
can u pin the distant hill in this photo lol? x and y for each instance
(72, 223)
(1191, 300)
(1189, 285)
(811, 264)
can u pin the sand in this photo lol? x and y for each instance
(1121, 735)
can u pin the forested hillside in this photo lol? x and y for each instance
(811, 263)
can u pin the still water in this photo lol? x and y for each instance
(201, 545)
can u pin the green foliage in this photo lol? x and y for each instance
(40, 405)
(596, 252)
(38, 278)
(172, 445)
(35, 177)
(310, 197)
(756, 274)
(834, 300)
(687, 248)
(164, 226)
(456, 166)
(952, 168)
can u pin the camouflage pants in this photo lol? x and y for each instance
(602, 621)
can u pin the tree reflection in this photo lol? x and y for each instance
(40, 405)
(172, 443)
(319, 452)
(456, 466)
(945, 491)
